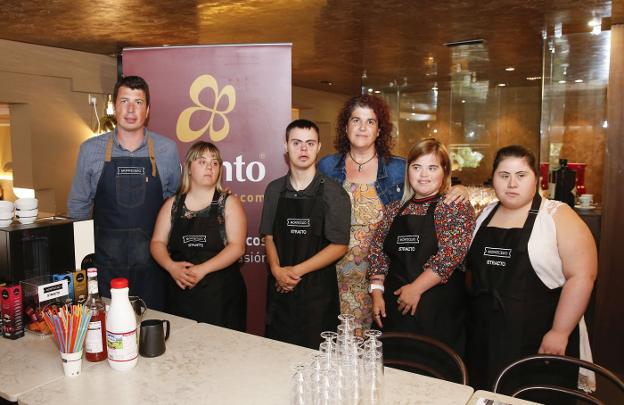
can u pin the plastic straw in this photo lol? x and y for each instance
(69, 326)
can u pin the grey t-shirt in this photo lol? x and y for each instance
(335, 202)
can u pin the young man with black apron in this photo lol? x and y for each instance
(305, 220)
(118, 176)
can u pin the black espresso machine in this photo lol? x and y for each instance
(47, 246)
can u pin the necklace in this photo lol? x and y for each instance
(363, 163)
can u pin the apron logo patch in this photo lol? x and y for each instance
(497, 252)
(298, 222)
(130, 171)
(500, 263)
(194, 240)
(407, 240)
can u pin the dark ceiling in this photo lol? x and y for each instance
(334, 41)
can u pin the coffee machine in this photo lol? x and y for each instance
(47, 246)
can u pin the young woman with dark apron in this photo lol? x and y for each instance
(127, 200)
(440, 313)
(220, 297)
(511, 309)
(313, 306)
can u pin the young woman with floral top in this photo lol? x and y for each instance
(416, 250)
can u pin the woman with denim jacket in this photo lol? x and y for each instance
(373, 178)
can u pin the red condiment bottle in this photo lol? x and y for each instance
(95, 342)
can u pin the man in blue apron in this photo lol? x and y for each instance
(305, 220)
(124, 177)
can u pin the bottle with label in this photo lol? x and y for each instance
(95, 342)
(121, 329)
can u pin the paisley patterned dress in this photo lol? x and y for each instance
(366, 213)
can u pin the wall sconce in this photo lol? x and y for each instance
(108, 122)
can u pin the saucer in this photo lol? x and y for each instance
(589, 207)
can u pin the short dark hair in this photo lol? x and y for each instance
(133, 83)
(302, 124)
(517, 151)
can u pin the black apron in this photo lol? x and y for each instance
(440, 313)
(313, 306)
(127, 200)
(510, 307)
(220, 298)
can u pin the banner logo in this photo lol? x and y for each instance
(497, 252)
(183, 126)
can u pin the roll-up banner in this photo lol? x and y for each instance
(239, 98)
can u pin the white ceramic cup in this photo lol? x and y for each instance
(72, 363)
(586, 200)
(26, 203)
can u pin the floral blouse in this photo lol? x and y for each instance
(454, 224)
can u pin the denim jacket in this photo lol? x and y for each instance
(390, 175)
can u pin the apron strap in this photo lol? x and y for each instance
(152, 155)
(109, 148)
(528, 224)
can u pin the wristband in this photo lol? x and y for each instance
(372, 287)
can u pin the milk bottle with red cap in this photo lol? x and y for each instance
(121, 339)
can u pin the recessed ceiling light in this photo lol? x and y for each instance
(370, 90)
(562, 82)
(502, 84)
(510, 69)
(578, 81)
(463, 101)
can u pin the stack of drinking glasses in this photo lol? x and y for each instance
(347, 370)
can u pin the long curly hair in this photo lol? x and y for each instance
(384, 142)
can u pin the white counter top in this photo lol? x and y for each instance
(207, 364)
(34, 361)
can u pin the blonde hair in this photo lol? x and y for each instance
(422, 148)
(195, 152)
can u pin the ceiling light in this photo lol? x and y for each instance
(534, 78)
(435, 130)
(510, 69)
(377, 91)
(463, 101)
(370, 90)
(578, 81)
(562, 82)
(558, 30)
(596, 24)
(605, 124)
(502, 84)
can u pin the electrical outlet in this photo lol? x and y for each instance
(92, 100)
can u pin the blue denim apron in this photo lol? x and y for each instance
(127, 200)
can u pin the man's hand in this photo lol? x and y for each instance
(285, 278)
